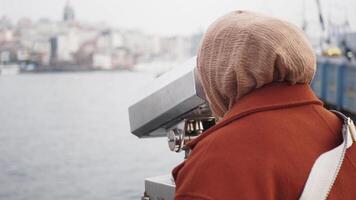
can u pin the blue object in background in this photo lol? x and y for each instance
(335, 83)
(349, 90)
(317, 81)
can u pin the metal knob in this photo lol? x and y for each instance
(199, 126)
(175, 139)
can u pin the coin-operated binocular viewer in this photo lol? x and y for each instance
(174, 107)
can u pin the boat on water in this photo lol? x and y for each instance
(10, 69)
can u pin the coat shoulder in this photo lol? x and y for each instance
(270, 152)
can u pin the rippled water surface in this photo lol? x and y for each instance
(66, 136)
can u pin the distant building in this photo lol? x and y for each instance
(5, 23)
(24, 23)
(68, 12)
(122, 58)
(4, 57)
(63, 46)
(6, 35)
(72, 45)
(109, 40)
(102, 61)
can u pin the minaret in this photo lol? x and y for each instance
(68, 12)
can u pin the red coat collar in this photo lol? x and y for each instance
(268, 97)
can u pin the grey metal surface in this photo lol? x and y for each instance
(160, 188)
(178, 93)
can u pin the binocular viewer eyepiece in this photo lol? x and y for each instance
(191, 127)
(174, 105)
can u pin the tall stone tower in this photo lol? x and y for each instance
(68, 12)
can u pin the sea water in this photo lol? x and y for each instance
(66, 136)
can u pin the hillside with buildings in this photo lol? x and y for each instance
(72, 45)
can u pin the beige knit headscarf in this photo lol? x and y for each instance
(242, 51)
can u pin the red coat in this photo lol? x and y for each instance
(264, 148)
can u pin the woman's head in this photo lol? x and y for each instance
(242, 51)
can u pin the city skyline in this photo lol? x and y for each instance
(171, 17)
(71, 45)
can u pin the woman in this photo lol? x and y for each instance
(256, 71)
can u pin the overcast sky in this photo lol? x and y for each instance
(171, 17)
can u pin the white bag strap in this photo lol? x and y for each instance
(326, 168)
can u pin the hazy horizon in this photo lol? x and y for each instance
(174, 17)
